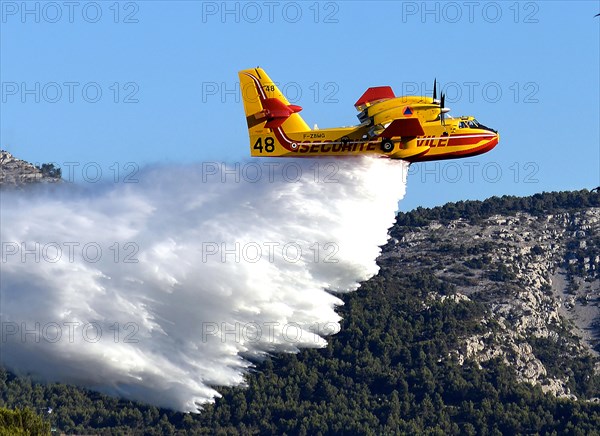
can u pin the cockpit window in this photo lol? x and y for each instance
(473, 124)
(462, 125)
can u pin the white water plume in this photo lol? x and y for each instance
(158, 290)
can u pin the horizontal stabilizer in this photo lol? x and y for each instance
(277, 112)
(374, 94)
(405, 127)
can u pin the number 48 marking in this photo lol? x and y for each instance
(269, 146)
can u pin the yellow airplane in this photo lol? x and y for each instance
(411, 128)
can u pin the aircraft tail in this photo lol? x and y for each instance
(268, 112)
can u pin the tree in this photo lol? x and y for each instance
(22, 422)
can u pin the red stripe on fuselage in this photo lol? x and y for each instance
(456, 154)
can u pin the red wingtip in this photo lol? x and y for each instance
(375, 93)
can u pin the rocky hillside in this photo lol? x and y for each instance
(16, 172)
(538, 274)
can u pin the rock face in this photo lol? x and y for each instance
(16, 172)
(538, 275)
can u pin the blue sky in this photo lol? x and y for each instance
(147, 82)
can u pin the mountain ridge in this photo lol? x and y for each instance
(15, 172)
(538, 275)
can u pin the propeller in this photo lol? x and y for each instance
(442, 101)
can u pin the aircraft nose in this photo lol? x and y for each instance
(494, 141)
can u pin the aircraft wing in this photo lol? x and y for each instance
(373, 95)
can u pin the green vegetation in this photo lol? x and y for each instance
(22, 422)
(49, 170)
(392, 369)
(474, 211)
